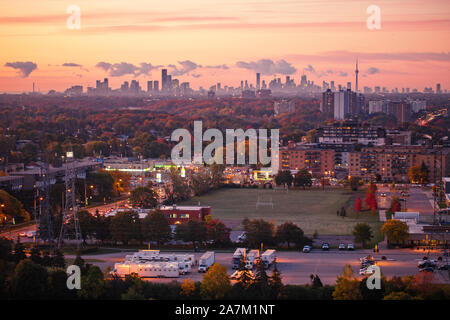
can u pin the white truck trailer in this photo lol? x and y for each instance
(251, 259)
(268, 257)
(237, 256)
(206, 261)
(148, 270)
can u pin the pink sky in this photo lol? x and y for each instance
(320, 38)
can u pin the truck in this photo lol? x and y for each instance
(147, 270)
(237, 256)
(251, 259)
(206, 261)
(268, 257)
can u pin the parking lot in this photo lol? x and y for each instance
(296, 267)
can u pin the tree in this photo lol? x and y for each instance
(289, 233)
(192, 231)
(11, 208)
(347, 286)
(395, 205)
(29, 281)
(100, 184)
(260, 273)
(96, 148)
(358, 206)
(303, 179)
(396, 231)
(92, 284)
(58, 260)
(275, 281)
(315, 281)
(245, 276)
(216, 282)
(156, 227)
(284, 177)
(216, 174)
(19, 252)
(362, 233)
(57, 287)
(398, 296)
(201, 182)
(87, 224)
(177, 189)
(218, 232)
(35, 255)
(125, 226)
(143, 197)
(187, 288)
(121, 181)
(102, 226)
(258, 231)
(354, 183)
(371, 201)
(418, 174)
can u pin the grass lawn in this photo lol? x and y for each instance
(311, 210)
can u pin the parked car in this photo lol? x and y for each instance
(365, 271)
(307, 249)
(341, 246)
(31, 234)
(426, 264)
(383, 194)
(241, 237)
(350, 247)
(325, 246)
(444, 267)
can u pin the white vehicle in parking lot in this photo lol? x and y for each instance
(307, 249)
(366, 271)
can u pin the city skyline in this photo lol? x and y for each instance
(321, 39)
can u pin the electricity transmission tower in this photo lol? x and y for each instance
(45, 228)
(70, 211)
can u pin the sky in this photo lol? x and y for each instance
(208, 41)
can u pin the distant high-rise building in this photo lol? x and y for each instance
(149, 86)
(164, 79)
(156, 85)
(303, 81)
(438, 88)
(401, 110)
(341, 105)
(327, 105)
(258, 81)
(349, 86)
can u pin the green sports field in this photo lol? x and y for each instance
(312, 210)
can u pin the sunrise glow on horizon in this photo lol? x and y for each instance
(205, 42)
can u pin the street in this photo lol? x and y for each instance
(296, 267)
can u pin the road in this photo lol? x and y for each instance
(296, 267)
(418, 200)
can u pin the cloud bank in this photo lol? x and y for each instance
(25, 68)
(125, 68)
(268, 67)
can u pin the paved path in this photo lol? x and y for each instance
(382, 215)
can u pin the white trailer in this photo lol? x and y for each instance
(237, 256)
(251, 259)
(268, 257)
(206, 261)
(148, 270)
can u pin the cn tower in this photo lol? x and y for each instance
(356, 74)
